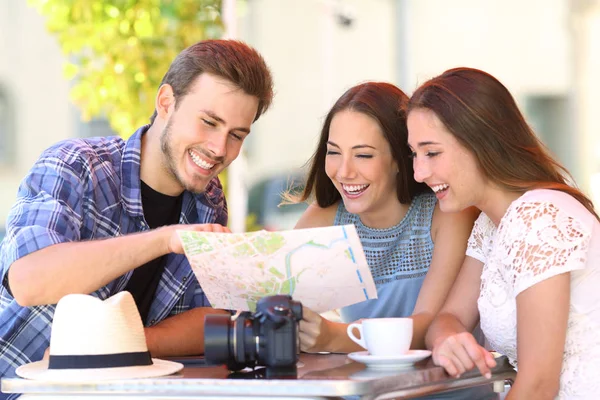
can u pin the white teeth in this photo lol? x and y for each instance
(354, 188)
(439, 188)
(199, 162)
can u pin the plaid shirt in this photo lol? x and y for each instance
(86, 189)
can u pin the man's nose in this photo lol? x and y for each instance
(217, 144)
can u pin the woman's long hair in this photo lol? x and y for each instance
(386, 104)
(484, 117)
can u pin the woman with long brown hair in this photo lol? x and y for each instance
(532, 270)
(361, 174)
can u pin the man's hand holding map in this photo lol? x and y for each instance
(324, 268)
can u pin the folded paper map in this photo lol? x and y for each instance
(324, 268)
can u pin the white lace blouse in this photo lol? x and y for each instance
(558, 234)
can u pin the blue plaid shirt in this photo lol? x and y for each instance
(86, 189)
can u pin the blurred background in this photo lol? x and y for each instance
(78, 68)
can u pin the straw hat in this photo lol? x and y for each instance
(93, 339)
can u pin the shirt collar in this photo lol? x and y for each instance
(130, 173)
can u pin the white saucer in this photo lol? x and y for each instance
(389, 362)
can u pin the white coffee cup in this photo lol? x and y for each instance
(383, 336)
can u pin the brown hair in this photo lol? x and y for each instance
(484, 117)
(386, 104)
(232, 60)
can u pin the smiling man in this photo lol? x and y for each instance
(100, 215)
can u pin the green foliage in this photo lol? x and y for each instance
(251, 224)
(119, 50)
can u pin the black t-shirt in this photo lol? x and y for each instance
(159, 210)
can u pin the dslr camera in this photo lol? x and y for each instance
(269, 337)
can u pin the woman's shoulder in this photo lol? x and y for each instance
(552, 205)
(548, 196)
(316, 217)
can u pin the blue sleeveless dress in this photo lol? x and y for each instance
(399, 259)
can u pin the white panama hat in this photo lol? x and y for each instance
(94, 340)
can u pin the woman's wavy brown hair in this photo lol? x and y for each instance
(484, 117)
(386, 104)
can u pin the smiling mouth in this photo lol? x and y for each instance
(200, 162)
(354, 189)
(439, 188)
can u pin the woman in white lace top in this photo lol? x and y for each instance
(532, 271)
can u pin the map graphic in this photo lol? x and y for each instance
(324, 268)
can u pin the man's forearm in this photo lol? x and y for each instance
(45, 276)
(181, 334)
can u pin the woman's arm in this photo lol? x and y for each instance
(450, 232)
(542, 314)
(454, 348)
(546, 241)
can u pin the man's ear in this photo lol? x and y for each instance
(165, 100)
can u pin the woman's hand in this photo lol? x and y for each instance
(314, 333)
(461, 352)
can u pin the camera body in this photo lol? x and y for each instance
(269, 337)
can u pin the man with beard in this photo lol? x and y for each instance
(100, 215)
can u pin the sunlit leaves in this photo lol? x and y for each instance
(119, 50)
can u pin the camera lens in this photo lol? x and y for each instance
(217, 335)
(230, 342)
(268, 337)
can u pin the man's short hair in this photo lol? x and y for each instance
(232, 60)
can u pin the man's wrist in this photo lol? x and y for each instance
(166, 236)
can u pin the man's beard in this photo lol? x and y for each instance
(168, 160)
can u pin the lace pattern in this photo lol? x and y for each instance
(402, 252)
(482, 238)
(540, 241)
(535, 241)
(579, 374)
